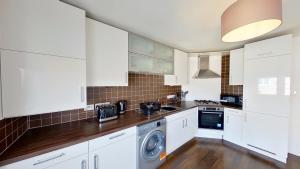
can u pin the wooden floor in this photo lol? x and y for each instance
(214, 154)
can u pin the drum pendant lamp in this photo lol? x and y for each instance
(247, 19)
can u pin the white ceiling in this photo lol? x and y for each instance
(189, 25)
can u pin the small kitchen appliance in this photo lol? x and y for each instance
(106, 112)
(122, 106)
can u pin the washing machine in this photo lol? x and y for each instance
(151, 144)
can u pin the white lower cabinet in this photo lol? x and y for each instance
(267, 135)
(114, 151)
(233, 126)
(181, 128)
(73, 157)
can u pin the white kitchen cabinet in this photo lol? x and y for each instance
(107, 55)
(267, 135)
(236, 67)
(180, 76)
(233, 126)
(36, 84)
(277, 46)
(267, 78)
(114, 151)
(44, 27)
(181, 128)
(267, 84)
(73, 157)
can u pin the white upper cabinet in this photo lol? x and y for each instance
(271, 47)
(180, 76)
(236, 67)
(107, 55)
(45, 27)
(267, 80)
(36, 84)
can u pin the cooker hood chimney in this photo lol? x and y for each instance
(204, 71)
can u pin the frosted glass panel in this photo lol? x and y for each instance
(138, 44)
(163, 52)
(140, 63)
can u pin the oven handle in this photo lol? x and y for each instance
(206, 112)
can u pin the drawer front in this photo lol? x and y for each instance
(50, 159)
(111, 138)
(234, 112)
(178, 115)
(270, 47)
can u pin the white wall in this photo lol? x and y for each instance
(203, 88)
(294, 133)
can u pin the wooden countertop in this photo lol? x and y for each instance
(43, 140)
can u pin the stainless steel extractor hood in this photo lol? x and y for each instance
(204, 71)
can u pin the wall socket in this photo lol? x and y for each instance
(90, 107)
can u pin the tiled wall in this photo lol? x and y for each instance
(10, 130)
(141, 88)
(226, 88)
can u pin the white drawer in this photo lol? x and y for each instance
(180, 114)
(111, 138)
(236, 112)
(270, 47)
(50, 159)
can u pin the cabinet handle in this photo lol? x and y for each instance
(83, 164)
(119, 135)
(126, 77)
(227, 119)
(49, 159)
(82, 95)
(182, 123)
(186, 123)
(96, 161)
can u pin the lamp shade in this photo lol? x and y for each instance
(247, 19)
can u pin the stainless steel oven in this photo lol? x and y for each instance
(211, 118)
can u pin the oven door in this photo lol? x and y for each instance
(211, 120)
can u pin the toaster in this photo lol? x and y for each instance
(106, 112)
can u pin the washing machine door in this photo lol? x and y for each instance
(153, 145)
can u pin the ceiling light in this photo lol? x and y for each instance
(247, 19)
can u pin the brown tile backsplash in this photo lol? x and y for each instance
(10, 130)
(226, 88)
(141, 88)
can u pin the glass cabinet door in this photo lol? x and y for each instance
(141, 45)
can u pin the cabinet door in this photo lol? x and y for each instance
(191, 125)
(175, 134)
(47, 27)
(236, 68)
(267, 85)
(80, 162)
(267, 134)
(181, 67)
(170, 80)
(233, 126)
(107, 55)
(35, 84)
(120, 154)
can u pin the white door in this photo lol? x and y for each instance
(48, 27)
(181, 67)
(191, 125)
(236, 68)
(80, 162)
(267, 85)
(35, 84)
(107, 55)
(233, 126)
(120, 154)
(267, 134)
(176, 135)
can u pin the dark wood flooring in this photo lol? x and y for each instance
(215, 154)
